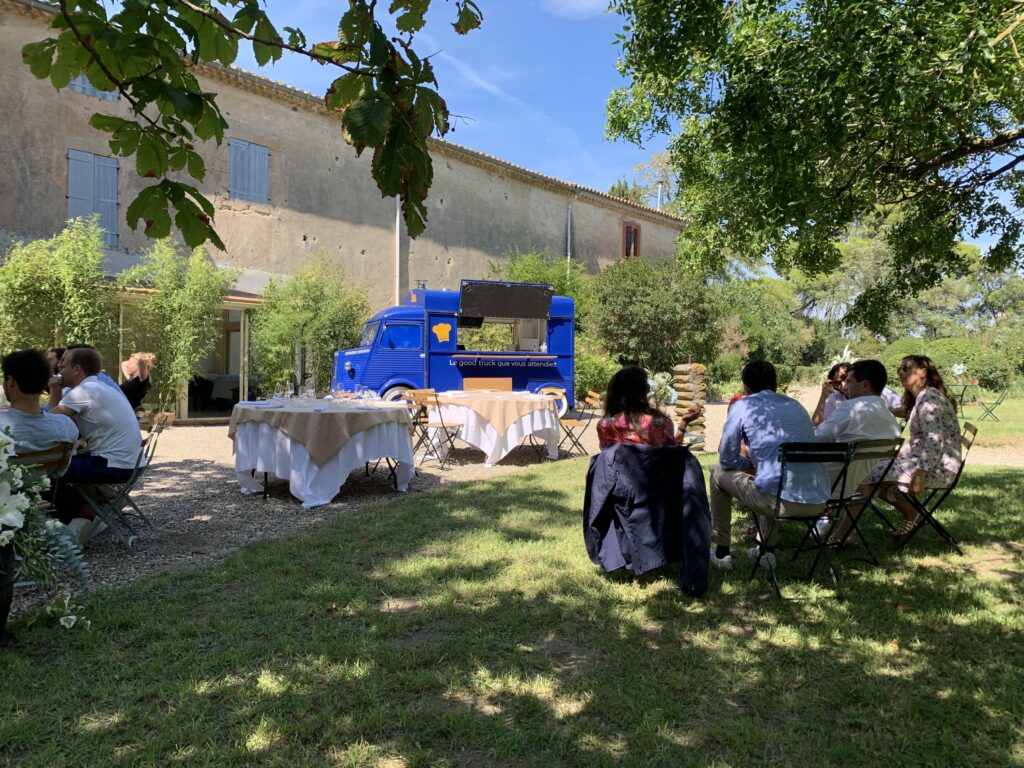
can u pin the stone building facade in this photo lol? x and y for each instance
(284, 184)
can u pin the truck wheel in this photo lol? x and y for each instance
(396, 393)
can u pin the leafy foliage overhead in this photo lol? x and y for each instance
(794, 120)
(145, 50)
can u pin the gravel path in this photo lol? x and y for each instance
(199, 516)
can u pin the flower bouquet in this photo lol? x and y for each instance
(662, 392)
(33, 545)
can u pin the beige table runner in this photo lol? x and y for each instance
(501, 409)
(323, 433)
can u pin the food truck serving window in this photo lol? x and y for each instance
(369, 334)
(401, 336)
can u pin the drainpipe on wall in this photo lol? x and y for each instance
(398, 249)
(568, 231)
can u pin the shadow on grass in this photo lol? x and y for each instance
(467, 627)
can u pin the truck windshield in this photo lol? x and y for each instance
(369, 334)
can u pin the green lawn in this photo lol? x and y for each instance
(1007, 431)
(466, 627)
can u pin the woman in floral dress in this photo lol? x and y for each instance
(629, 417)
(930, 457)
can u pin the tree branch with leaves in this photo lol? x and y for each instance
(385, 93)
(794, 121)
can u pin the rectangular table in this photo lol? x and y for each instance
(316, 444)
(496, 422)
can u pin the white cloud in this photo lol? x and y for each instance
(575, 9)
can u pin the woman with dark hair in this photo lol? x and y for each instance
(832, 393)
(930, 457)
(629, 417)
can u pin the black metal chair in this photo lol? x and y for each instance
(109, 501)
(803, 453)
(927, 507)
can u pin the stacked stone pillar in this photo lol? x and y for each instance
(691, 390)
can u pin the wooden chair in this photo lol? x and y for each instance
(497, 383)
(435, 431)
(50, 462)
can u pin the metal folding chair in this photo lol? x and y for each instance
(109, 501)
(989, 408)
(573, 423)
(870, 452)
(435, 431)
(930, 504)
(803, 453)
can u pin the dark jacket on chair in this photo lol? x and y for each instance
(647, 507)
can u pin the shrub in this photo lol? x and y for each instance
(181, 318)
(314, 309)
(785, 375)
(726, 367)
(946, 353)
(993, 370)
(809, 374)
(593, 371)
(656, 313)
(897, 351)
(54, 291)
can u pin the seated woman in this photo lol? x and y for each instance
(137, 383)
(629, 417)
(930, 457)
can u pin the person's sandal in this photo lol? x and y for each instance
(836, 542)
(905, 528)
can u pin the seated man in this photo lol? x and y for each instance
(762, 420)
(26, 375)
(864, 415)
(107, 423)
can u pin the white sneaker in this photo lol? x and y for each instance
(767, 561)
(823, 524)
(721, 563)
(79, 527)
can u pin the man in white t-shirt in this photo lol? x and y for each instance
(106, 422)
(26, 375)
(863, 416)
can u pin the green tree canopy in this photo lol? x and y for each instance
(655, 313)
(145, 49)
(794, 120)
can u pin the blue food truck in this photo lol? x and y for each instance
(423, 342)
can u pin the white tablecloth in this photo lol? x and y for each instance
(264, 448)
(480, 433)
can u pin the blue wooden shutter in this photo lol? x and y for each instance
(106, 197)
(81, 181)
(259, 173)
(238, 182)
(81, 84)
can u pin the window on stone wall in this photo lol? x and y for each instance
(249, 171)
(81, 84)
(92, 189)
(630, 239)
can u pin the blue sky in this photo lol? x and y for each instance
(530, 85)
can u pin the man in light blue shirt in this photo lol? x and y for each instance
(749, 468)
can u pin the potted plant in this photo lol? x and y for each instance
(32, 544)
